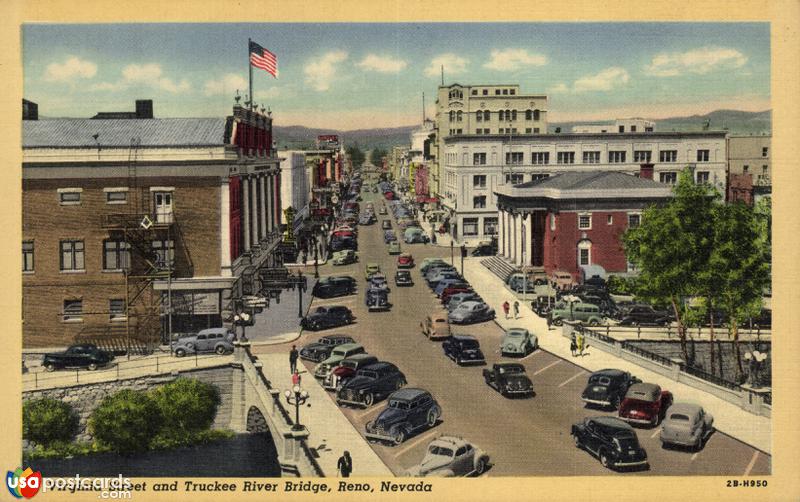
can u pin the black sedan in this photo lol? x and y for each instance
(327, 317)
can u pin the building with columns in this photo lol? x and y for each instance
(127, 220)
(573, 219)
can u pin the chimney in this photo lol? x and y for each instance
(30, 110)
(646, 171)
(144, 108)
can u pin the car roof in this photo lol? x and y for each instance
(212, 330)
(510, 365)
(333, 337)
(515, 331)
(610, 372)
(379, 366)
(470, 303)
(361, 357)
(688, 409)
(407, 394)
(643, 391)
(449, 441)
(464, 337)
(347, 346)
(612, 422)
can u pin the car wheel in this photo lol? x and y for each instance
(92, 366)
(605, 460)
(220, 349)
(665, 445)
(557, 321)
(180, 352)
(577, 441)
(50, 367)
(433, 416)
(480, 466)
(399, 436)
(369, 399)
(593, 322)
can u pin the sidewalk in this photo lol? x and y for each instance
(330, 433)
(728, 418)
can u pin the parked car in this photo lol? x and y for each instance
(339, 353)
(543, 304)
(346, 369)
(366, 219)
(415, 235)
(429, 263)
(519, 283)
(340, 243)
(463, 349)
(334, 286)
(389, 236)
(371, 384)
(645, 404)
(451, 283)
(378, 281)
(376, 299)
(434, 273)
(321, 349)
(84, 355)
(607, 387)
(509, 379)
(644, 315)
(442, 275)
(459, 298)
(485, 248)
(393, 247)
(219, 340)
(382, 210)
(577, 311)
(345, 257)
(518, 341)
(386, 224)
(436, 326)
(403, 278)
(450, 456)
(408, 410)
(686, 424)
(471, 312)
(405, 260)
(327, 317)
(611, 440)
(370, 270)
(454, 289)
(561, 279)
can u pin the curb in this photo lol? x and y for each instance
(278, 339)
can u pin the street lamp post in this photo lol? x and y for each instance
(316, 256)
(296, 397)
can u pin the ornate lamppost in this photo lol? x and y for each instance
(297, 397)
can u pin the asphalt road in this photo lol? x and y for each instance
(527, 437)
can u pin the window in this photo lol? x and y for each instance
(622, 128)
(591, 157)
(478, 131)
(634, 219)
(539, 176)
(642, 156)
(474, 92)
(452, 116)
(479, 181)
(669, 177)
(514, 178)
(745, 169)
(479, 202)
(552, 221)
(566, 157)
(535, 130)
(584, 253)
(487, 115)
(540, 158)
(528, 114)
(512, 91)
(633, 128)
(116, 255)
(702, 155)
(486, 131)
(458, 116)
(478, 159)
(478, 116)
(765, 169)
(765, 151)
(116, 309)
(490, 226)
(528, 130)
(668, 156)
(535, 115)
(459, 131)
(69, 196)
(609, 220)
(486, 92)
(470, 226)
(497, 92)
(514, 157)
(27, 256)
(513, 114)
(165, 253)
(501, 115)
(72, 255)
(616, 157)
(73, 310)
(585, 221)
(505, 92)
(648, 129)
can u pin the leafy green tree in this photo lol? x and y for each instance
(126, 421)
(46, 420)
(356, 155)
(186, 405)
(376, 154)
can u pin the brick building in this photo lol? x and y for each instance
(574, 219)
(125, 217)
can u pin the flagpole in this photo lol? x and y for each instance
(250, 66)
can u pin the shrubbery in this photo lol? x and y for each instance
(47, 420)
(126, 421)
(186, 405)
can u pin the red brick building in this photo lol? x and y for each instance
(573, 219)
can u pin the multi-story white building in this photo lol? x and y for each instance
(295, 185)
(475, 166)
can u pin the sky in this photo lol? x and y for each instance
(349, 76)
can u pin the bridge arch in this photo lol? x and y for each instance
(256, 421)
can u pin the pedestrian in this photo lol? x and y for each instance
(345, 465)
(295, 378)
(505, 308)
(581, 342)
(573, 344)
(293, 359)
(516, 309)
(549, 320)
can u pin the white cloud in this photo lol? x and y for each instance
(514, 59)
(228, 84)
(603, 81)
(149, 75)
(699, 61)
(319, 72)
(452, 65)
(105, 86)
(382, 64)
(71, 69)
(559, 88)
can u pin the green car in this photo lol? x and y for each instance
(372, 269)
(345, 257)
(394, 247)
(577, 311)
(518, 342)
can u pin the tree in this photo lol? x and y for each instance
(126, 421)
(672, 246)
(186, 405)
(47, 420)
(356, 155)
(376, 154)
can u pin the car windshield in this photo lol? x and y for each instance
(440, 450)
(508, 370)
(518, 334)
(440, 321)
(678, 416)
(469, 344)
(400, 405)
(464, 306)
(326, 341)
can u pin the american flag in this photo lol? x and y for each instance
(263, 59)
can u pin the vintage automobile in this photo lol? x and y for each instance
(327, 317)
(430, 263)
(346, 370)
(577, 311)
(518, 342)
(415, 235)
(509, 379)
(436, 326)
(382, 210)
(452, 290)
(340, 243)
(386, 224)
(543, 304)
(405, 260)
(366, 219)
(403, 278)
(686, 424)
(463, 349)
(644, 315)
(393, 248)
(519, 283)
(371, 384)
(77, 356)
(370, 270)
(471, 312)
(562, 280)
(645, 404)
(459, 298)
(389, 236)
(607, 387)
(611, 440)
(451, 456)
(376, 299)
(408, 410)
(485, 248)
(333, 286)
(219, 340)
(339, 353)
(378, 281)
(345, 257)
(321, 349)
(449, 283)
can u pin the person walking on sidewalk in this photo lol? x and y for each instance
(573, 345)
(295, 378)
(345, 465)
(505, 308)
(549, 320)
(516, 309)
(293, 354)
(581, 342)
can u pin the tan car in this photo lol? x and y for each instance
(562, 280)
(436, 326)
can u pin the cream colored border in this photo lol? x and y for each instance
(783, 16)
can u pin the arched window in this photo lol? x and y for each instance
(501, 115)
(528, 114)
(535, 114)
(513, 114)
(458, 116)
(452, 116)
(487, 115)
(585, 252)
